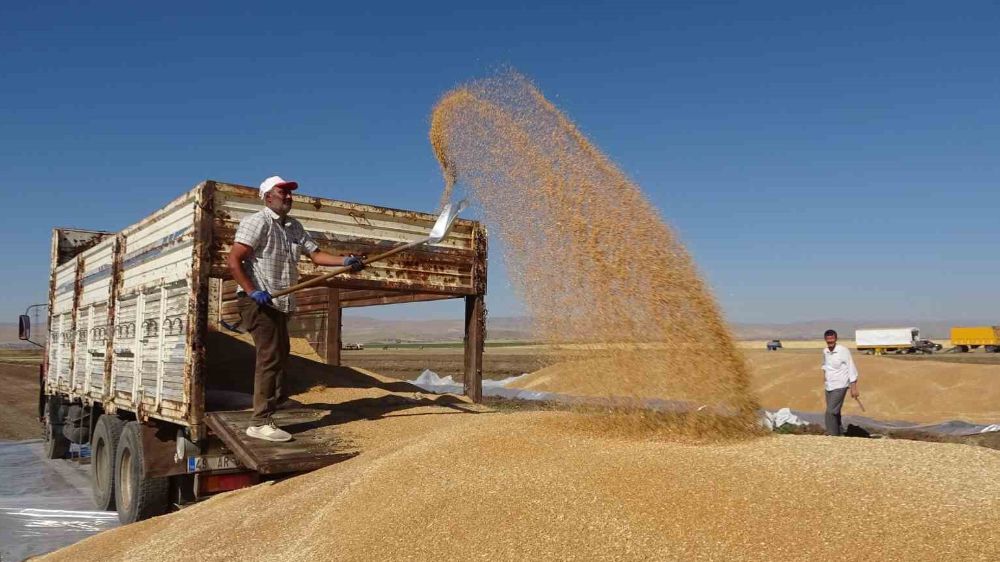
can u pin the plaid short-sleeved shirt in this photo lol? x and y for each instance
(276, 249)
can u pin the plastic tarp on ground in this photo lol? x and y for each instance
(954, 428)
(432, 382)
(44, 504)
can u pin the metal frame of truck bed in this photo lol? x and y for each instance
(129, 311)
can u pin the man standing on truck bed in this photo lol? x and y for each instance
(264, 258)
(839, 374)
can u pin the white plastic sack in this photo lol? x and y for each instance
(432, 382)
(774, 420)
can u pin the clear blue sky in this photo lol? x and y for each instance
(821, 160)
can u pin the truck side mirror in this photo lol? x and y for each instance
(24, 327)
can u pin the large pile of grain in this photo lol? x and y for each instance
(591, 257)
(435, 485)
(892, 389)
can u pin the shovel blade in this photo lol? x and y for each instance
(445, 220)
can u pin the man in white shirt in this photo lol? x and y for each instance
(839, 374)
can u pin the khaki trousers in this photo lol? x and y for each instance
(269, 328)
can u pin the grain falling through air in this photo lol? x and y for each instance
(592, 259)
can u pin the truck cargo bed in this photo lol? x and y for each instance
(314, 444)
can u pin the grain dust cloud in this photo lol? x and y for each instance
(603, 276)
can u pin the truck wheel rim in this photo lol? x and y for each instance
(100, 463)
(125, 480)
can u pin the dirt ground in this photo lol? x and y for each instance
(19, 402)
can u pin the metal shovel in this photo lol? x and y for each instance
(441, 228)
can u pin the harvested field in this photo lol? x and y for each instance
(974, 358)
(19, 402)
(891, 389)
(920, 391)
(534, 486)
(498, 363)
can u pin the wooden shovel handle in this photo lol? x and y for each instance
(315, 281)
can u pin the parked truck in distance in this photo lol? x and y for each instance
(879, 341)
(967, 338)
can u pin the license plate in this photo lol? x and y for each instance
(221, 462)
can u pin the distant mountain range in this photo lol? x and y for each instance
(364, 329)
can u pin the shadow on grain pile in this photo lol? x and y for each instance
(348, 393)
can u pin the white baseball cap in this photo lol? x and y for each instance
(276, 181)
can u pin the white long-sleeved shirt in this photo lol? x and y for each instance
(838, 365)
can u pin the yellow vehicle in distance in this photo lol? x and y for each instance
(967, 338)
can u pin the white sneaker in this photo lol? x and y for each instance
(269, 432)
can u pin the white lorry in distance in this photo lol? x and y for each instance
(879, 341)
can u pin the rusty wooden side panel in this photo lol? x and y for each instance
(65, 292)
(70, 242)
(358, 298)
(475, 323)
(75, 324)
(115, 288)
(52, 319)
(197, 325)
(343, 228)
(150, 338)
(332, 340)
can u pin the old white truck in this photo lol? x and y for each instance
(136, 346)
(879, 341)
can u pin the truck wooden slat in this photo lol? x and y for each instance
(313, 445)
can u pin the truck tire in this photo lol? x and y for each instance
(103, 450)
(56, 444)
(76, 426)
(137, 496)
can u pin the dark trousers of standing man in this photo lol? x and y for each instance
(269, 328)
(834, 402)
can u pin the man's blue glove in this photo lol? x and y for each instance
(262, 298)
(354, 262)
